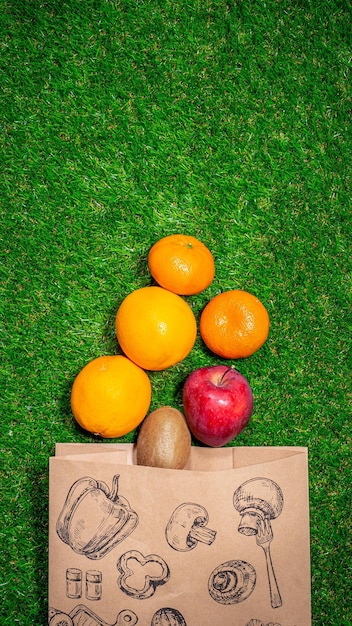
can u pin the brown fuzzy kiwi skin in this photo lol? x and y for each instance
(164, 439)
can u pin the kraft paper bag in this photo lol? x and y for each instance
(223, 542)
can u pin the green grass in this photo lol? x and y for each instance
(125, 121)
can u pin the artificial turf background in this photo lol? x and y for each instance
(122, 122)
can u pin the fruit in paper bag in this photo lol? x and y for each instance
(164, 439)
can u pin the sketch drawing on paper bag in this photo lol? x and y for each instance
(232, 582)
(150, 578)
(74, 584)
(94, 519)
(188, 525)
(139, 575)
(259, 500)
(168, 616)
(83, 616)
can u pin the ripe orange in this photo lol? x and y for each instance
(110, 396)
(155, 328)
(234, 324)
(182, 264)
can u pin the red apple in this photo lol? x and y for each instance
(218, 403)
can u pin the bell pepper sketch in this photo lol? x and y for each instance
(95, 519)
(232, 582)
(83, 616)
(140, 575)
(187, 526)
(258, 501)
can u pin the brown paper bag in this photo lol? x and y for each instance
(224, 542)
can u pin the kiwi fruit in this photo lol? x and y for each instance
(164, 439)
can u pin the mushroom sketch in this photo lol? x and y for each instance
(188, 525)
(232, 582)
(258, 501)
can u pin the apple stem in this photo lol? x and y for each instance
(229, 369)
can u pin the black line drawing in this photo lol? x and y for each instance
(258, 622)
(58, 618)
(141, 575)
(168, 616)
(232, 582)
(264, 538)
(93, 584)
(82, 616)
(258, 501)
(94, 519)
(74, 583)
(93, 580)
(188, 525)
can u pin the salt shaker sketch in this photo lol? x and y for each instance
(73, 582)
(93, 584)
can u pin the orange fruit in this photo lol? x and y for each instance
(182, 264)
(155, 328)
(234, 324)
(110, 396)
